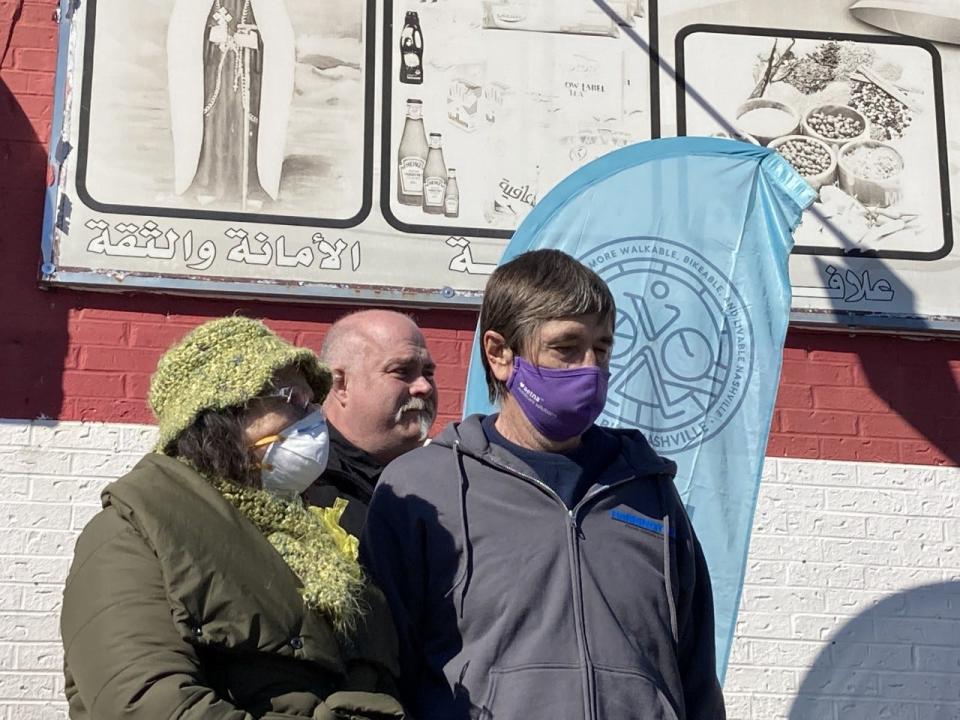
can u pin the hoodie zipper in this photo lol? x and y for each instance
(573, 551)
(573, 555)
(574, 537)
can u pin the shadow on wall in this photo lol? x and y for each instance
(33, 334)
(918, 385)
(922, 390)
(899, 660)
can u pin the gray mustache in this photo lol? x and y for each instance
(417, 404)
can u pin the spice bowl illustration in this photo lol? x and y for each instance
(814, 159)
(871, 171)
(835, 124)
(765, 120)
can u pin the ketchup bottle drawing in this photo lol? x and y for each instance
(411, 50)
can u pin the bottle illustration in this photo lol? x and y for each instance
(434, 178)
(411, 50)
(412, 155)
(451, 197)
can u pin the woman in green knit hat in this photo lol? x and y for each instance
(205, 588)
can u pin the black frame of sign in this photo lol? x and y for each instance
(295, 220)
(947, 247)
(386, 151)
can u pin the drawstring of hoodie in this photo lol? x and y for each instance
(463, 577)
(667, 565)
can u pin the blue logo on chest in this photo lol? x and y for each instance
(653, 526)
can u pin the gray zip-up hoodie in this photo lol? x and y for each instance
(509, 605)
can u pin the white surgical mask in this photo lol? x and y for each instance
(296, 456)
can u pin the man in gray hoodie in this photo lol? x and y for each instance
(540, 566)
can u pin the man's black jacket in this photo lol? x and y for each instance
(351, 474)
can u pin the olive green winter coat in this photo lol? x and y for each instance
(176, 606)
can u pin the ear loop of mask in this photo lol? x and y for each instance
(269, 439)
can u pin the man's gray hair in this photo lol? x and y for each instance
(532, 289)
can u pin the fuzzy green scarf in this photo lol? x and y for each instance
(312, 543)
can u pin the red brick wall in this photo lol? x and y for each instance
(79, 355)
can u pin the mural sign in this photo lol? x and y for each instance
(386, 151)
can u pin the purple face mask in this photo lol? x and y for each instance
(559, 402)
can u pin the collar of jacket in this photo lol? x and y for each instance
(636, 459)
(350, 460)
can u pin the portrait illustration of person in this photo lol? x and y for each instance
(230, 67)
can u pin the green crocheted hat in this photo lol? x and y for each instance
(220, 364)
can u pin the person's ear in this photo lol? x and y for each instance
(499, 356)
(338, 387)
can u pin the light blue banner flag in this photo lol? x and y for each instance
(692, 235)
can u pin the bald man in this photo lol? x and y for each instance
(381, 405)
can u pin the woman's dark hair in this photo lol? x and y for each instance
(216, 447)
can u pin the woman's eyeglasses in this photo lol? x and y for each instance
(299, 397)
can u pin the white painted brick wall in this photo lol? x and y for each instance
(851, 605)
(51, 475)
(850, 610)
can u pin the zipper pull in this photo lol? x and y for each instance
(574, 525)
